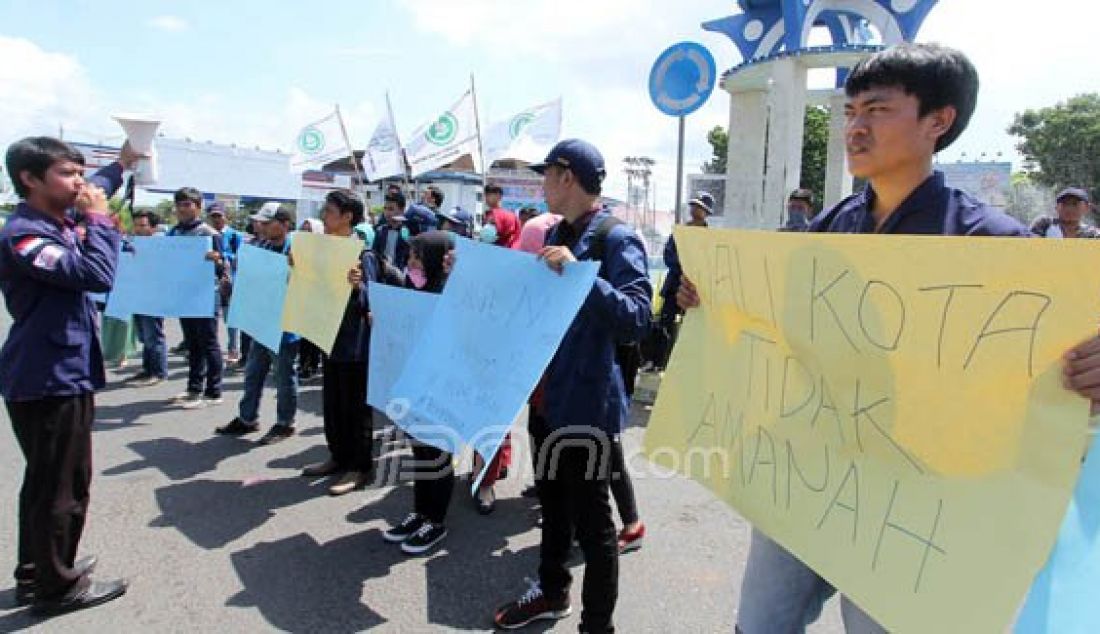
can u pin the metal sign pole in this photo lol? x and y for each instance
(679, 171)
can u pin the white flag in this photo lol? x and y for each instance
(448, 137)
(527, 136)
(383, 156)
(318, 143)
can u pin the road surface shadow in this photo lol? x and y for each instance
(212, 513)
(299, 585)
(180, 459)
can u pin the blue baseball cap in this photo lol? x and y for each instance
(580, 157)
(1073, 192)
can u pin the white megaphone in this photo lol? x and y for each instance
(141, 131)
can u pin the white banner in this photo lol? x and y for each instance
(318, 143)
(527, 136)
(383, 156)
(449, 136)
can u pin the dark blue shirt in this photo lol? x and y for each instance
(933, 208)
(47, 270)
(583, 384)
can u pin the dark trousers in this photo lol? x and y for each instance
(246, 343)
(348, 428)
(666, 332)
(622, 487)
(309, 357)
(434, 482)
(629, 358)
(204, 355)
(572, 478)
(55, 435)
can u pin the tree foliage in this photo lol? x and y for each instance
(719, 141)
(1061, 143)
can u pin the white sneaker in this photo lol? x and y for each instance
(193, 401)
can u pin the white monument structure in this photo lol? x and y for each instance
(769, 94)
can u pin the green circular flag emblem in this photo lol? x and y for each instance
(519, 122)
(311, 140)
(444, 130)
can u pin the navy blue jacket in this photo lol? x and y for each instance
(675, 272)
(933, 208)
(401, 252)
(46, 273)
(583, 385)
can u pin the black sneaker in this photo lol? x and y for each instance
(277, 433)
(532, 606)
(424, 539)
(237, 427)
(408, 526)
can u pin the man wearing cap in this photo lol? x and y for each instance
(391, 240)
(506, 222)
(458, 221)
(701, 206)
(800, 209)
(274, 222)
(580, 400)
(1072, 206)
(231, 244)
(204, 355)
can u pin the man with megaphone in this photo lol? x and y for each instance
(60, 245)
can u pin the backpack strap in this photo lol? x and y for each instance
(597, 249)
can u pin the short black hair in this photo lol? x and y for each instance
(347, 203)
(185, 194)
(436, 194)
(805, 195)
(396, 197)
(938, 76)
(493, 189)
(151, 216)
(35, 154)
(393, 187)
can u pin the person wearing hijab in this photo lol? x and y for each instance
(424, 528)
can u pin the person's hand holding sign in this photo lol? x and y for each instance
(557, 257)
(687, 296)
(1082, 372)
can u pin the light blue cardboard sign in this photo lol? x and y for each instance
(397, 316)
(164, 277)
(259, 292)
(499, 321)
(1062, 599)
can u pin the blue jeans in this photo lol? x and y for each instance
(232, 334)
(154, 353)
(259, 362)
(782, 595)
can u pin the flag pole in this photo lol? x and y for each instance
(354, 161)
(404, 161)
(477, 124)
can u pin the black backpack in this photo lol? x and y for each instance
(627, 355)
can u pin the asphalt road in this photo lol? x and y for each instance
(220, 534)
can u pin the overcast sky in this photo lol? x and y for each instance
(252, 72)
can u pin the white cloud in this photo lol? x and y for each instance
(603, 52)
(171, 23)
(48, 91)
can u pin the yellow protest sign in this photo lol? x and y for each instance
(888, 408)
(318, 292)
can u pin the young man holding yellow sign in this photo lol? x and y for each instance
(904, 105)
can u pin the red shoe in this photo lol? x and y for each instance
(629, 541)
